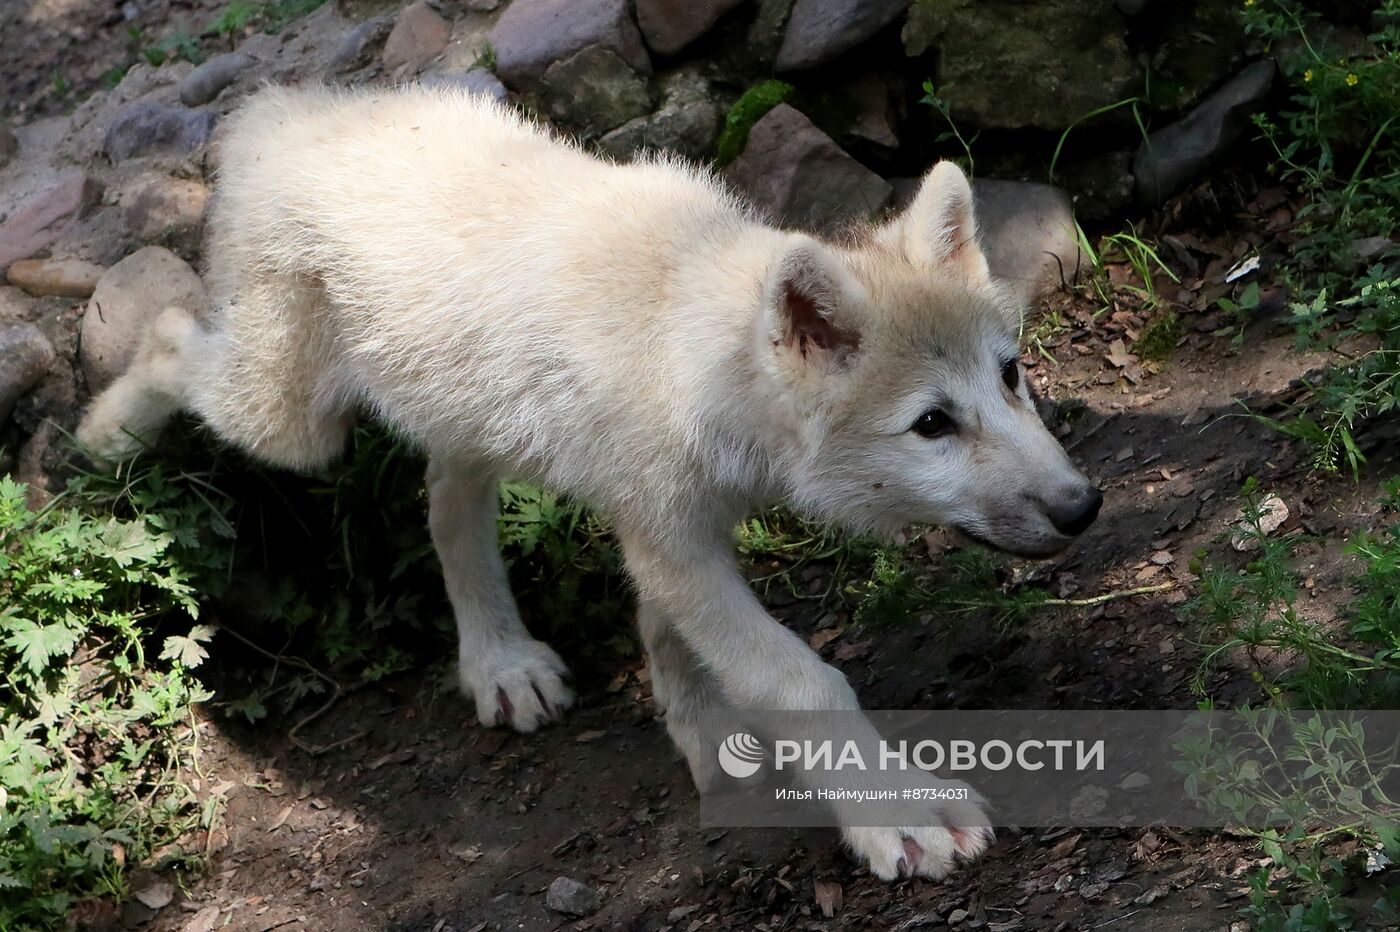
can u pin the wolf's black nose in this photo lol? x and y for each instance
(1074, 515)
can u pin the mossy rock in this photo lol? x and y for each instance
(1011, 64)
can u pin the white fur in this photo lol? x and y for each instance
(632, 336)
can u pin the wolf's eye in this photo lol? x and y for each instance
(934, 423)
(1011, 374)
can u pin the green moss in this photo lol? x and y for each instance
(1159, 337)
(747, 111)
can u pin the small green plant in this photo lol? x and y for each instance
(1240, 310)
(748, 110)
(234, 18)
(1144, 259)
(945, 107)
(1159, 337)
(487, 58)
(98, 634)
(173, 48)
(1252, 614)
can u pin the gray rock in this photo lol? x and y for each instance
(874, 121)
(476, 81)
(794, 170)
(358, 46)
(145, 128)
(1009, 64)
(1101, 184)
(1027, 233)
(765, 33)
(594, 90)
(1173, 155)
(419, 35)
(128, 296)
(482, 6)
(159, 204)
(671, 25)
(687, 122)
(820, 30)
(571, 898)
(533, 34)
(63, 277)
(204, 83)
(27, 356)
(47, 216)
(9, 146)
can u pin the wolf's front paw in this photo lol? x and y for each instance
(931, 852)
(519, 684)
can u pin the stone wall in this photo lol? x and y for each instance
(822, 102)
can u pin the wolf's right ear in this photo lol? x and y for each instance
(809, 296)
(939, 227)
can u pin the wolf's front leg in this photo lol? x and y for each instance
(698, 717)
(759, 664)
(514, 679)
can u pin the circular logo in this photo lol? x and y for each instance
(740, 755)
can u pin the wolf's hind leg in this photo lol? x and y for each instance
(129, 414)
(694, 706)
(514, 679)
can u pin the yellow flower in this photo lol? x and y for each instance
(1307, 75)
(1352, 80)
(1249, 2)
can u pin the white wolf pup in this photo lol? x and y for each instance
(631, 335)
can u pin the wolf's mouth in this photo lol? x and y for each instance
(1038, 554)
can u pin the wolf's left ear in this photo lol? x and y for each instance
(811, 298)
(940, 226)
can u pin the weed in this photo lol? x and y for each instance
(1240, 309)
(1336, 143)
(101, 629)
(1252, 613)
(945, 107)
(487, 57)
(1159, 337)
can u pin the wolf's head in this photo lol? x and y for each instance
(898, 356)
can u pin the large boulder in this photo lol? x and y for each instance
(531, 35)
(128, 296)
(818, 31)
(686, 123)
(45, 217)
(594, 91)
(1027, 233)
(1175, 154)
(671, 25)
(1010, 64)
(802, 178)
(147, 128)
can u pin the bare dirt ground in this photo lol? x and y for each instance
(418, 819)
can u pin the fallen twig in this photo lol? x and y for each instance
(1112, 596)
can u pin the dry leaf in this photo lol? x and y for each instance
(829, 895)
(820, 639)
(851, 651)
(586, 736)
